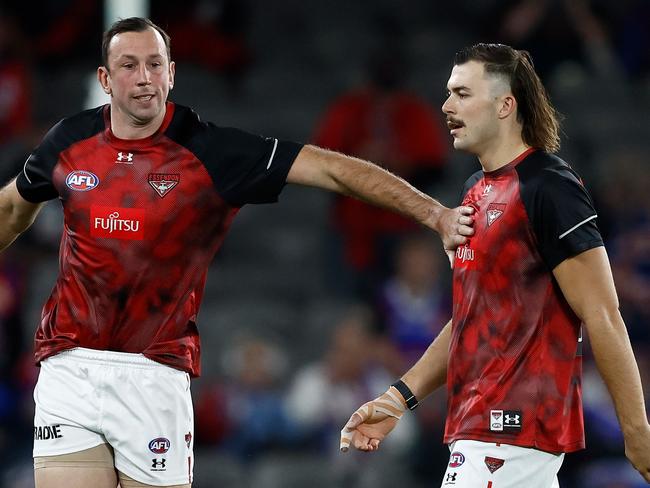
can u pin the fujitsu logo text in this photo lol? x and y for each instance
(117, 223)
(465, 254)
(113, 223)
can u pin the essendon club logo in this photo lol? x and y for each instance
(494, 211)
(163, 183)
(496, 420)
(493, 463)
(117, 222)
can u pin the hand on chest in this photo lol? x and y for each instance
(493, 202)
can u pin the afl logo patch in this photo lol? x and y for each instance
(456, 459)
(159, 445)
(81, 180)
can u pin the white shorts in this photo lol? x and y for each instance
(476, 464)
(142, 408)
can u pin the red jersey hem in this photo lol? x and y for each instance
(542, 446)
(42, 355)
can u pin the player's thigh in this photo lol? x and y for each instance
(475, 464)
(77, 478)
(126, 482)
(88, 468)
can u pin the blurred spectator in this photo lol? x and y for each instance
(209, 33)
(413, 305)
(609, 473)
(631, 267)
(210, 412)
(61, 31)
(15, 391)
(323, 393)
(15, 82)
(556, 32)
(12, 286)
(254, 399)
(605, 437)
(384, 123)
(633, 36)
(624, 216)
(415, 302)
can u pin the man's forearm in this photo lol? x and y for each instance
(368, 182)
(430, 371)
(9, 229)
(16, 215)
(616, 363)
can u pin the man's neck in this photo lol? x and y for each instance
(125, 127)
(502, 153)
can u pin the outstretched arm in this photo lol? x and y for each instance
(366, 181)
(374, 420)
(587, 284)
(16, 214)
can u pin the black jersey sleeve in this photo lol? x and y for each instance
(245, 168)
(561, 213)
(249, 168)
(34, 182)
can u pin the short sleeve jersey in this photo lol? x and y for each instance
(142, 221)
(514, 372)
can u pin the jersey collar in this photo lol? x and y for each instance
(511, 164)
(136, 143)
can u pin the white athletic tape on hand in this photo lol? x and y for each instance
(346, 439)
(392, 403)
(388, 403)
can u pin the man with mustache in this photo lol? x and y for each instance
(149, 192)
(532, 275)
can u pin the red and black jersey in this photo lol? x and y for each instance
(514, 373)
(142, 221)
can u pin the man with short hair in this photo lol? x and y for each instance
(149, 192)
(534, 272)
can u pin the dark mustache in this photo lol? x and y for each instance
(455, 121)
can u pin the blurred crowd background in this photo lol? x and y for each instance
(316, 304)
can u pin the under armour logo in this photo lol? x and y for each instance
(512, 419)
(124, 158)
(487, 189)
(155, 463)
(451, 478)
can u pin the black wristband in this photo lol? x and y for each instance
(405, 391)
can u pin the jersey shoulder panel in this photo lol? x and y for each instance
(34, 183)
(560, 209)
(245, 168)
(469, 183)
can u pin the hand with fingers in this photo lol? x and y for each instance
(373, 421)
(454, 227)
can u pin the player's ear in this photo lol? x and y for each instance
(172, 73)
(507, 106)
(103, 76)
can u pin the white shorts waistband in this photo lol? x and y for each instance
(98, 356)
